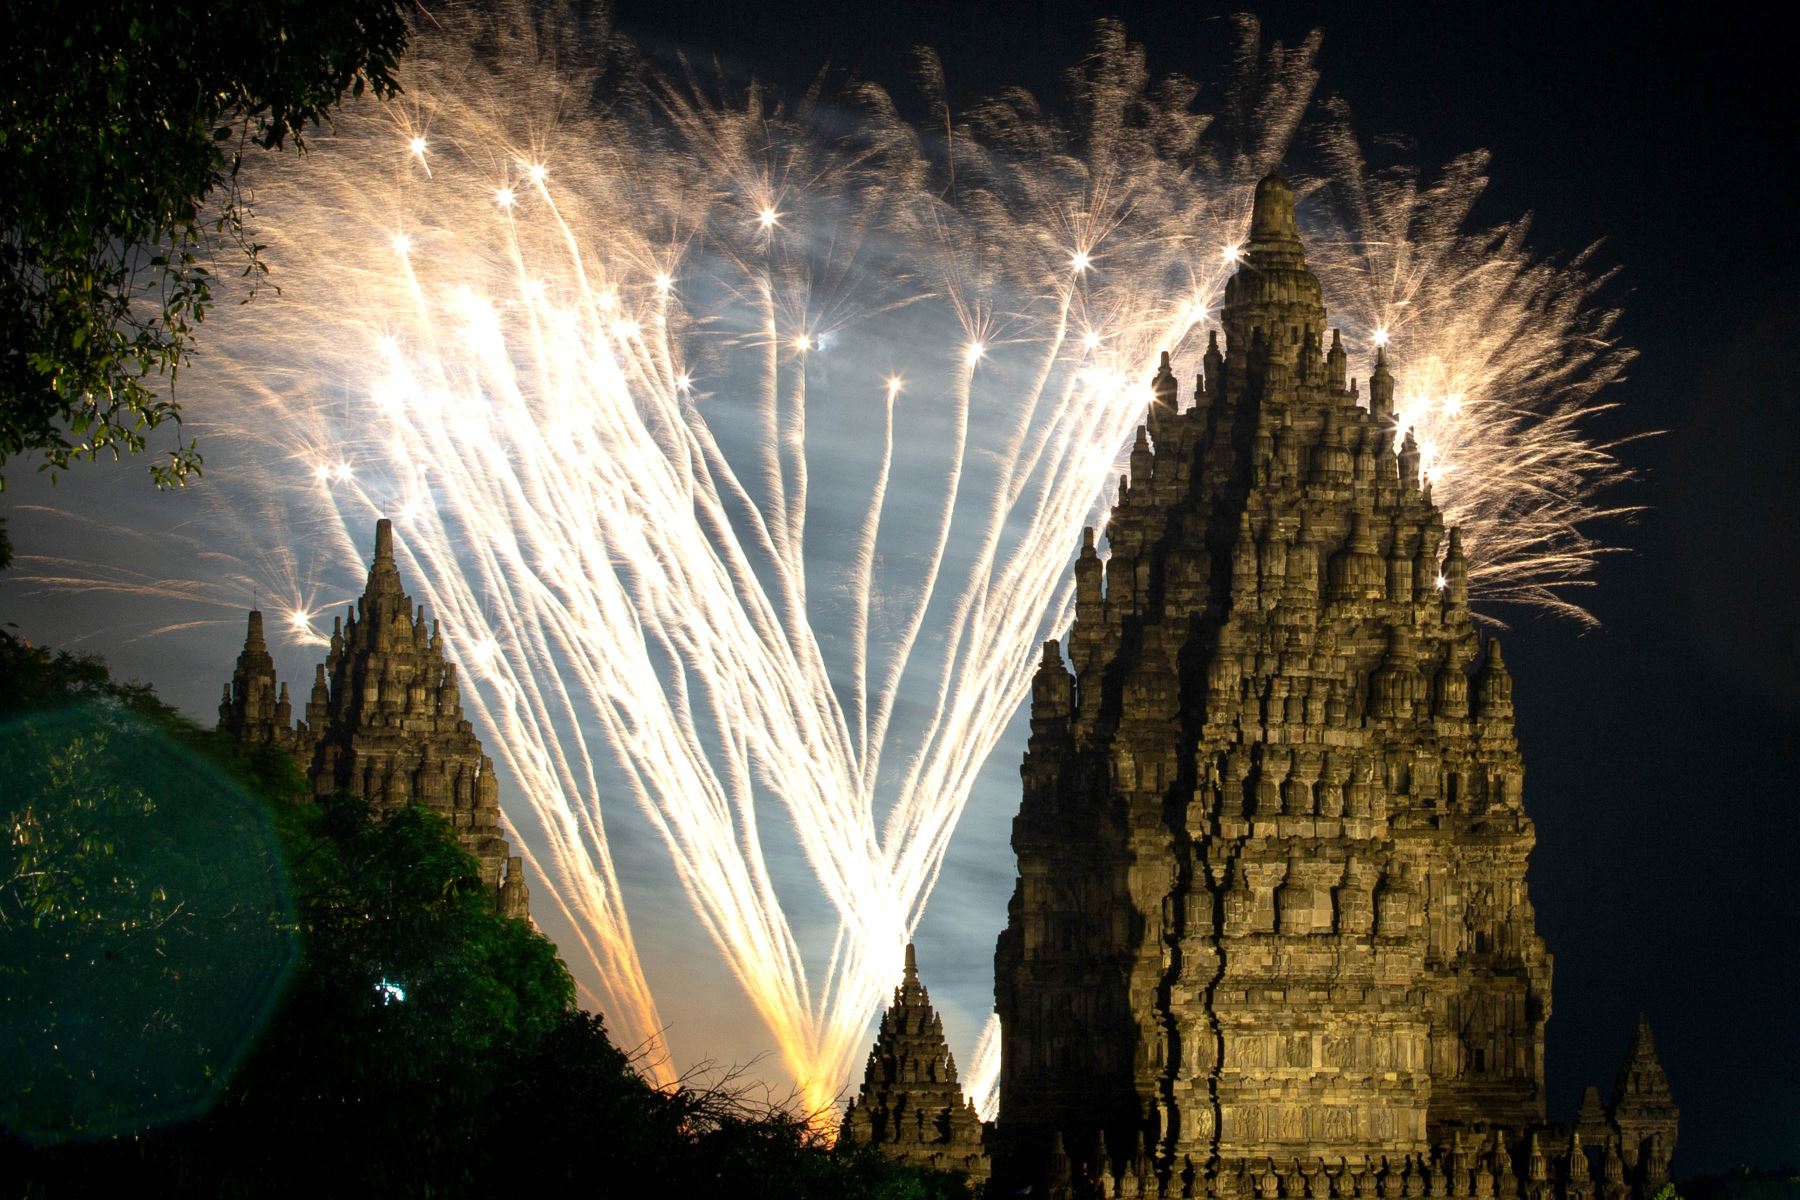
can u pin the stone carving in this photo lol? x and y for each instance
(384, 721)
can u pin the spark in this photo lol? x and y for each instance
(974, 354)
(663, 281)
(768, 218)
(1080, 261)
(417, 146)
(803, 342)
(684, 382)
(1233, 254)
(537, 173)
(402, 245)
(1380, 336)
(504, 197)
(1091, 340)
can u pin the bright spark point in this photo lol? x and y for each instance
(1233, 253)
(342, 472)
(1080, 261)
(417, 145)
(803, 343)
(606, 300)
(663, 282)
(684, 382)
(974, 354)
(893, 386)
(300, 620)
(402, 244)
(1442, 583)
(1091, 340)
(1381, 337)
(504, 197)
(537, 173)
(768, 218)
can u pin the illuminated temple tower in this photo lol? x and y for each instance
(384, 721)
(1271, 935)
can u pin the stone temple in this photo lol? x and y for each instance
(384, 721)
(1271, 934)
(911, 1105)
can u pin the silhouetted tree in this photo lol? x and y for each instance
(122, 128)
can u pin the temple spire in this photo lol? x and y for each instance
(1272, 290)
(1272, 212)
(384, 576)
(251, 706)
(384, 721)
(911, 1104)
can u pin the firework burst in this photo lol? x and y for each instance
(743, 462)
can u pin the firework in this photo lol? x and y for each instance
(742, 462)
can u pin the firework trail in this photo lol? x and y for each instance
(743, 462)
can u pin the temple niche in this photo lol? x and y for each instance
(384, 721)
(1271, 934)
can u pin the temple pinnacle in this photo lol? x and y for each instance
(1272, 215)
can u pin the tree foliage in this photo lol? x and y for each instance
(423, 1046)
(122, 129)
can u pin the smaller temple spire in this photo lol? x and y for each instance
(1643, 1109)
(252, 707)
(1456, 578)
(911, 1106)
(1272, 213)
(1381, 389)
(1213, 363)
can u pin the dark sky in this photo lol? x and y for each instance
(1660, 749)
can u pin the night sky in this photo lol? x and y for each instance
(1660, 749)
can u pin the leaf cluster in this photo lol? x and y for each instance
(123, 126)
